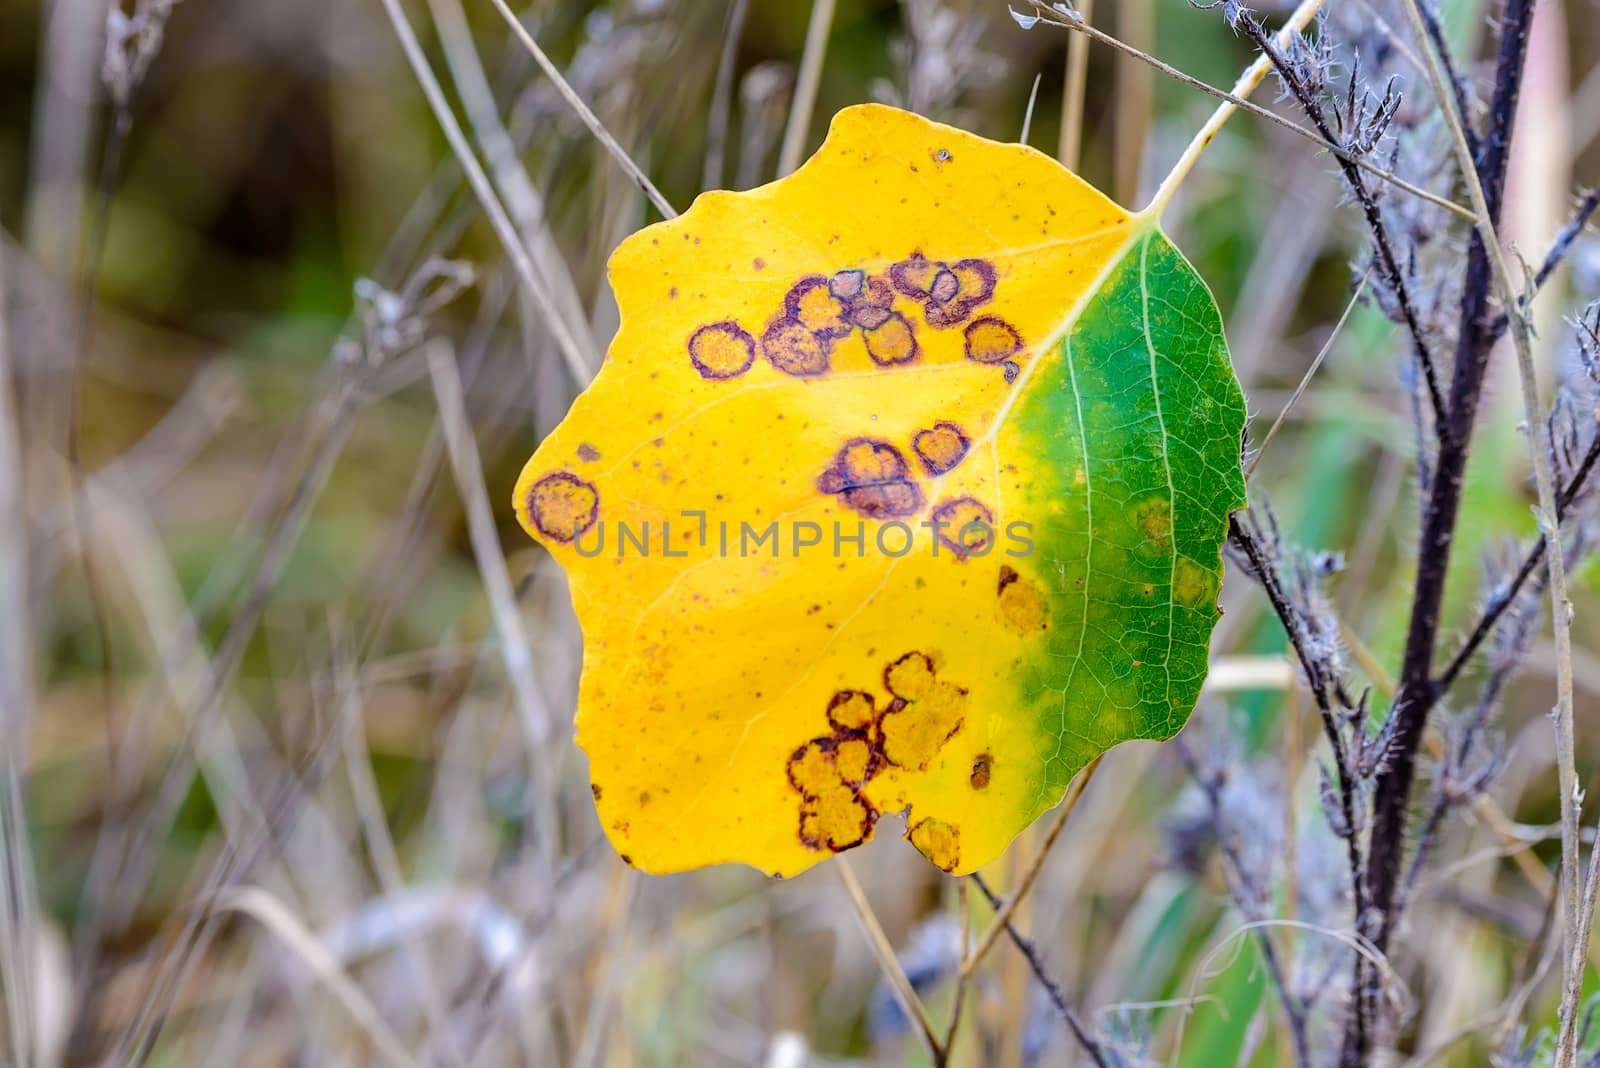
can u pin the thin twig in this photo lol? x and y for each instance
(722, 97)
(1387, 258)
(904, 992)
(571, 347)
(515, 651)
(1051, 987)
(272, 914)
(1070, 145)
(1305, 379)
(805, 86)
(1055, 18)
(1035, 866)
(588, 117)
(959, 999)
(1504, 599)
(1027, 115)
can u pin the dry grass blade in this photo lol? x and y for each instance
(523, 202)
(514, 648)
(1070, 146)
(915, 1011)
(19, 928)
(286, 927)
(1029, 877)
(572, 349)
(589, 118)
(805, 88)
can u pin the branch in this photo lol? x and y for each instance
(1417, 693)
(1369, 208)
(1051, 987)
(1501, 601)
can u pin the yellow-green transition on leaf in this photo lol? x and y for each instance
(901, 491)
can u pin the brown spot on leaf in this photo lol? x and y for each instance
(563, 506)
(794, 350)
(810, 303)
(892, 341)
(1154, 517)
(982, 769)
(588, 453)
(871, 477)
(964, 526)
(925, 713)
(721, 350)
(991, 340)
(1021, 604)
(852, 710)
(941, 447)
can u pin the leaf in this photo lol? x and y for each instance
(919, 326)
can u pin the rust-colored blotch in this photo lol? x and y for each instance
(941, 446)
(871, 477)
(992, 340)
(722, 350)
(563, 506)
(965, 526)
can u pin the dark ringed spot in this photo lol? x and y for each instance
(563, 506)
(721, 350)
(991, 340)
(941, 447)
(871, 477)
(794, 350)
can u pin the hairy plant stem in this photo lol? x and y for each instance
(1550, 524)
(1417, 691)
(1381, 242)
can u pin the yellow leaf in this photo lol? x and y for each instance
(901, 490)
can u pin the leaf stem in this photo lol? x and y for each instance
(1247, 83)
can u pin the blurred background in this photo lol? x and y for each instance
(272, 766)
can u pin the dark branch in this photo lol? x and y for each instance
(1417, 692)
(1503, 599)
(1384, 246)
(1558, 251)
(1051, 987)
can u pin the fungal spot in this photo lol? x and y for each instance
(891, 342)
(588, 453)
(721, 350)
(1193, 584)
(941, 447)
(810, 303)
(563, 506)
(828, 773)
(852, 710)
(939, 841)
(925, 713)
(871, 305)
(1154, 517)
(991, 340)
(1011, 371)
(794, 350)
(982, 768)
(847, 285)
(965, 526)
(871, 477)
(1020, 604)
(949, 292)
(594, 788)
